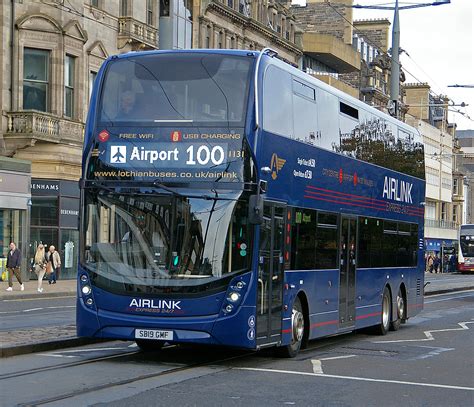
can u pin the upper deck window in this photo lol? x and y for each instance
(176, 87)
(349, 110)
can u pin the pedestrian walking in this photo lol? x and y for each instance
(436, 263)
(40, 265)
(13, 266)
(429, 263)
(55, 260)
(452, 263)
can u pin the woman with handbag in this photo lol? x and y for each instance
(40, 265)
(55, 260)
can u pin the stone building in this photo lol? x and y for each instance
(465, 166)
(327, 43)
(244, 24)
(428, 113)
(53, 51)
(349, 55)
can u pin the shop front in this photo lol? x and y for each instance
(443, 249)
(55, 221)
(15, 198)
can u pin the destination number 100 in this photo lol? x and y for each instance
(204, 155)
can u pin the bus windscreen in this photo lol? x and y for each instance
(176, 88)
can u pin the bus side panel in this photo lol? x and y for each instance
(321, 289)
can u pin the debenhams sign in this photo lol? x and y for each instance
(45, 187)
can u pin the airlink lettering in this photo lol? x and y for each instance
(397, 190)
(158, 304)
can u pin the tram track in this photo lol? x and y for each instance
(63, 365)
(112, 384)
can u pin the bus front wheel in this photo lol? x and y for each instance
(297, 331)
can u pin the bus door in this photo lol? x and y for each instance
(347, 270)
(270, 274)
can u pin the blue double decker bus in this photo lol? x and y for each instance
(230, 199)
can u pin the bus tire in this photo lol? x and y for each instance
(384, 325)
(297, 331)
(146, 345)
(401, 314)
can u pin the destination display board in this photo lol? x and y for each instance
(169, 154)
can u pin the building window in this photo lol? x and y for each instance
(35, 79)
(184, 17)
(164, 8)
(44, 211)
(455, 186)
(95, 3)
(149, 12)
(92, 76)
(207, 41)
(443, 211)
(69, 86)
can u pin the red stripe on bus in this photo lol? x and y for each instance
(353, 204)
(360, 197)
(324, 323)
(374, 314)
(286, 331)
(373, 203)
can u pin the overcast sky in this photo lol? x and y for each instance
(439, 41)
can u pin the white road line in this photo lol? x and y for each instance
(428, 334)
(339, 357)
(89, 350)
(44, 297)
(317, 367)
(449, 299)
(36, 309)
(362, 379)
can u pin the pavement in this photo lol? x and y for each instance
(24, 341)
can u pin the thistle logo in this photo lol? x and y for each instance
(118, 154)
(276, 165)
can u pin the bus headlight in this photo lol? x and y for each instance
(89, 301)
(83, 278)
(86, 290)
(233, 297)
(229, 308)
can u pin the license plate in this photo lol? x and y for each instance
(154, 334)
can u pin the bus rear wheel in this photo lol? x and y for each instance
(395, 325)
(297, 331)
(146, 345)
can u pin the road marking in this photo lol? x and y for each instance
(428, 334)
(317, 367)
(363, 379)
(448, 299)
(36, 309)
(88, 350)
(435, 352)
(40, 297)
(56, 355)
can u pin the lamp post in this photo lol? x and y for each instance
(395, 62)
